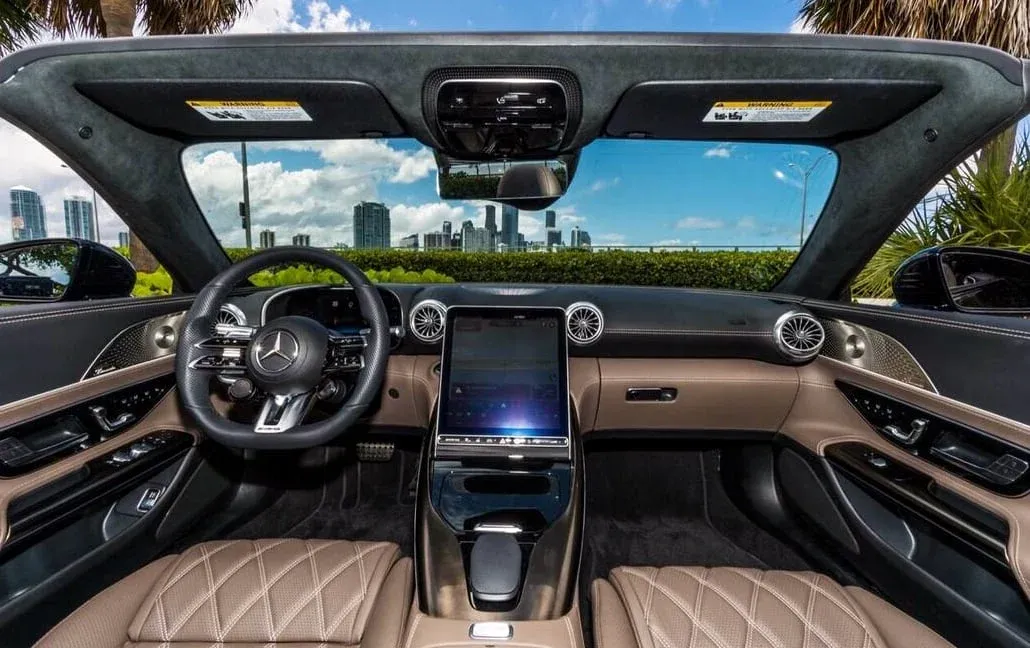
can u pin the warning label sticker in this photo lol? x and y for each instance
(765, 111)
(253, 111)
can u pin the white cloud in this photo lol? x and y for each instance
(602, 184)
(610, 239)
(786, 179)
(314, 201)
(719, 151)
(671, 4)
(699, 223)
(24, 161)
(668, 242)
(412, 22)
(272, 16)
(800, 26)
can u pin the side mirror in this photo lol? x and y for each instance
(966, 279)
(52, 270)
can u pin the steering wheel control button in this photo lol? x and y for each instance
(241, 389)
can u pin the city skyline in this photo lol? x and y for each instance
(78, 218)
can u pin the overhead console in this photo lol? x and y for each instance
(500, 493)
(502, 113)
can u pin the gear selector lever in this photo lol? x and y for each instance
(495, 568)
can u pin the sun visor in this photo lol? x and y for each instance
(764, 110)
(205, 110)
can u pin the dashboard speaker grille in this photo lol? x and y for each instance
(799, 335)
(584, 323)
(427, 320)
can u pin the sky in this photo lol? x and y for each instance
(625, 193)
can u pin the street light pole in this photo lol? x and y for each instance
(805, 174)
(246, 193)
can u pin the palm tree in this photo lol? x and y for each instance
(981, 202)
(22, 20)
(17, 23)
(1003, 24)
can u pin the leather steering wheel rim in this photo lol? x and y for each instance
(199, 325)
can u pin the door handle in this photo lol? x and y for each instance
(99, 414)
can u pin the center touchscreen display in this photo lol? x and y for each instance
(505, 379)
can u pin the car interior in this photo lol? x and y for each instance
(527, 465)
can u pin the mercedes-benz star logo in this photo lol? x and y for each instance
(276, 351)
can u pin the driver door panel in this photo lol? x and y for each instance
(87, 497)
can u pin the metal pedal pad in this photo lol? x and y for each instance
(378, 452)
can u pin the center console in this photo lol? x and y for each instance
(500, 505)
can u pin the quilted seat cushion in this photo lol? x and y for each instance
(265, 591)
(698, 607)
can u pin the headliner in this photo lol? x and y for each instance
(890, 94)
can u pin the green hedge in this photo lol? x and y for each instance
(713, 269)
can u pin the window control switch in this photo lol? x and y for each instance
(149, 499)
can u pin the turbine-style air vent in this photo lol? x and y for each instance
(584, 323)
(799, 335)
(427, 319)
(232, 315)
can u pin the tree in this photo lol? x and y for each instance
(21, 21)
(1003, 24)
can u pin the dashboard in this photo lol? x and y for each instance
(335, 307)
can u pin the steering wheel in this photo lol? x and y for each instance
(287, 359)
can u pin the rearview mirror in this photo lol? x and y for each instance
(51, 270)
(526, 185)
(966, 279)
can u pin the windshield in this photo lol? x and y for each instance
(645, 211)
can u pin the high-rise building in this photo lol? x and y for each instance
(371, 225)
(446, 228)
(477, 239)
(436, 241)
(78, 218)
(28, 218)
(552, 233)
(491, 219)
(510, 227)
(267, 238)
(579, 238)
(520, 242)
(123, 239)
(410, 242)
(302, 240)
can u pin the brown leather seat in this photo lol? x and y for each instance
(246, 594)
(723, 607)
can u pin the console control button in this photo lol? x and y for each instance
(487, 630)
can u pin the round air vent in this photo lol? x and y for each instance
(799, 335)
(584, 323)
(232, 315)
(427, 319)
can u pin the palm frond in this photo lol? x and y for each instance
(980, 205)
(191, 16)
(1004, 24)
(65, 18)
(17, 24)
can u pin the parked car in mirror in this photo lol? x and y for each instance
(52, 270)
(966, 279)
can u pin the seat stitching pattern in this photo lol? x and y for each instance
(679, 603)
(815, 630)
(275, 624)
(236, 616)
(748, 615)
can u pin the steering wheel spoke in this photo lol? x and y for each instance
(225, 352)
(281, 413)
(345, 353)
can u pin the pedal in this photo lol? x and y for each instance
(377, 452)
